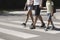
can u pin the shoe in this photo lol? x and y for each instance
(52, 28)
(24, 24)
(46, 29)
(33, 27)
(43, 25)
(32, 24)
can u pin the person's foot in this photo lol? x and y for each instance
(53, 28)
(31, 24)
(24, 24)
(46, 29)
(43, 25)
(33, 27)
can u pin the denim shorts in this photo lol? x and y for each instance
(48, 14)
(30, 7)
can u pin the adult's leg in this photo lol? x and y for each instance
(36, 17)
(26, 18)
(43, 24)
(31, 17)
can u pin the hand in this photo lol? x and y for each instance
(45, 8)
(40, 6)
(24, 8)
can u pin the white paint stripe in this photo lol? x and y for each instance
(2, 39)
(40, 30)
(53, 22)
(37, 21)
(51, 32)
(24, 12)
(18, 34)
(20, 26)
(47, 21)
(36, 24)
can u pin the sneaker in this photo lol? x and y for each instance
(46, 29)
(24, 24)
(33, 27)
(52, 28)
(43, 25)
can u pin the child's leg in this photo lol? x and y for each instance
(49, 21)
(52, 21)
(53, 27)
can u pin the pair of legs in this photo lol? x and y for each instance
(50, 21)
(37, 15)
(29, 14)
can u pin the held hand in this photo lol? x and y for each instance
(44, 8)
(40, 6)
(24, 8)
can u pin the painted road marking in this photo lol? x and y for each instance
(18, 34)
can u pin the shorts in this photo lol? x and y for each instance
(30, 7)
(49, 14)
(37, 10)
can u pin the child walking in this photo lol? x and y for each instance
(49, 7)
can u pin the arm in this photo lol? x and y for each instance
(25, 6)
(44, 8)
(40, 3)
(52, 11)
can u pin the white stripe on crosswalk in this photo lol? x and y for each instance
(29, 22)
(2, 39)
(47, 21)
(18, 34)
(20, 26)
(53, 22)
(40, 30)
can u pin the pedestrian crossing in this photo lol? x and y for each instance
(24, 35)
(18, 34)
(40, 30)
